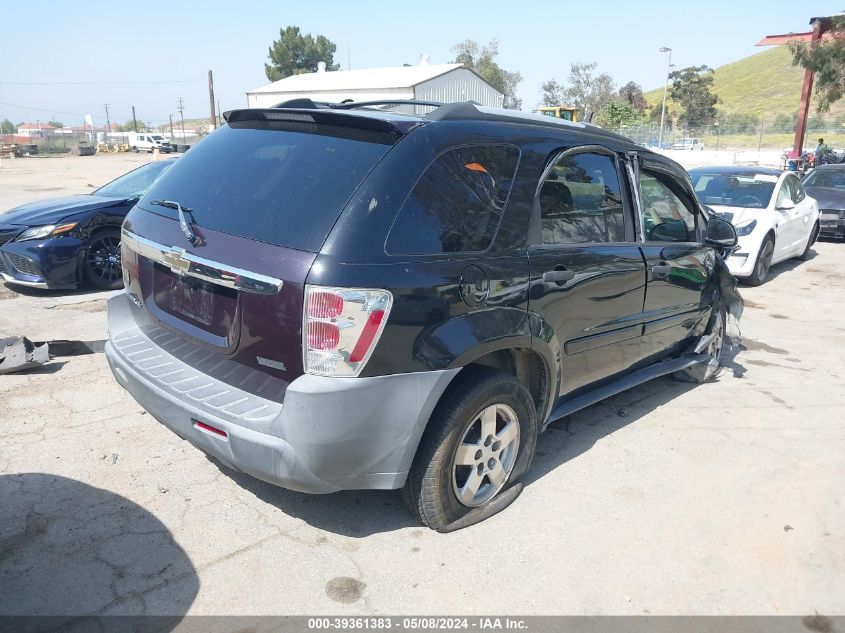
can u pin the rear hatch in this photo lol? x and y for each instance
(220, 247)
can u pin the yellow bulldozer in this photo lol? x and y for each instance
(559, 112)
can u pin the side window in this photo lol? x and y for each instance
(787, 191)
(581, 201)
(457, 203)
(666, 216)
(800, 194)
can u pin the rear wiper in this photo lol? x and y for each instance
(184, 223)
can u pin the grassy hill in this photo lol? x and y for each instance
(764, 84)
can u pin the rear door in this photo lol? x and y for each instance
(587, 277)
(259, 198)
(678, 265)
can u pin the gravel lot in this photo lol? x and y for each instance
(725, 498)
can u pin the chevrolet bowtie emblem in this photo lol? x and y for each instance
(175, 259)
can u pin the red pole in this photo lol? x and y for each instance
(806, 93)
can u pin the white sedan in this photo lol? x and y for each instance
(774, 217)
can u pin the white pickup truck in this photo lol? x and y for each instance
(688, 144)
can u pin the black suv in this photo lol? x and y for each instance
(335, 297)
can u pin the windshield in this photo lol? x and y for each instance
(136, 182)
(833, 178)
(734, 190)
(280, 182)
(156, 137)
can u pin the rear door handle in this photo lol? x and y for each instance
(661, 269)
(558, 275)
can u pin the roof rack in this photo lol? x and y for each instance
(308, 104)
(458, 111)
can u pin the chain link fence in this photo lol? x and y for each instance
(759, 134)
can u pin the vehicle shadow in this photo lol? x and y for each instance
(788, 266)
(39, 292)
(358, 514)
(70, 552)
(575, 434)
(352, 513)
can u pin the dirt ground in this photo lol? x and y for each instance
(724, 498)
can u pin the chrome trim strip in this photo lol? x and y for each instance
(28, 284)
(191, 265)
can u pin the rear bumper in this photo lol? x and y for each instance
(832, 228)
(329, 433)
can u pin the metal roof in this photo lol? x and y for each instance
(365, 78)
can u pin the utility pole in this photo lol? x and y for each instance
(219, 113)
(108, 123)
(211, 99)
(664, 49)
(182, 115)
(760, 141)
(134, 120)
(172, 138)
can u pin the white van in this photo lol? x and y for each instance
(147, 142)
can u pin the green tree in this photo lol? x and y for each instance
(483, 61)
(129, 126)
(816, 123)
(740, 123)
(294, 53)
(554, 93)
(56, 124)
(827, 61)
(7, 127)
(619, 113)
(691, 90)
(785, 122)
(585, 90)
(632, 93)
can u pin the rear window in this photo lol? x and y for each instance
(457, 203)
(280, 182)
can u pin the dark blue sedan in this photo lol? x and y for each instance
(67, 242)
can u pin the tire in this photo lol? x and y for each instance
(101, 267)
(812, 240)
(439, 490)
(716, 332)
(764, 261)
(134, 149)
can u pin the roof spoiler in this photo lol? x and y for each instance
(327, 116)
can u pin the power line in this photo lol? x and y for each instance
(52, 111)
(98, 83)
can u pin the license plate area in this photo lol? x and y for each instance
(192, 298)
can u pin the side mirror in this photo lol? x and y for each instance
(670, 230)
(786, 205)
(720, 233)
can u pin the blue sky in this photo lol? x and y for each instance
(108, 43)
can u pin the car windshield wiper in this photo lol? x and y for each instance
(184, 223)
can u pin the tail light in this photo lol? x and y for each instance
(342, 327)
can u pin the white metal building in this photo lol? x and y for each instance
(445, 83)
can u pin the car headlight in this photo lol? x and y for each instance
(48, 230)
(745, 229)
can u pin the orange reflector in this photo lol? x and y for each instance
(211, 429)
(63, 228)
(476, 167)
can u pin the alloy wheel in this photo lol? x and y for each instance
(486, 455)
(104, 258)
(717, 343)
(765, 260)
